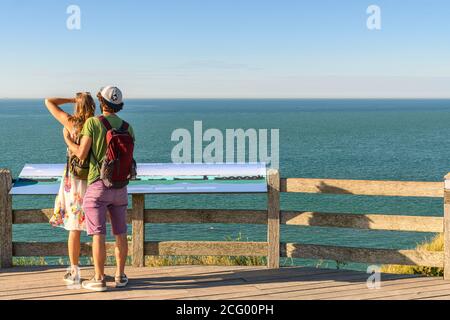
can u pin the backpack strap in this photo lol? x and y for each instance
(124, 126)
(67, 163)
(105, 122)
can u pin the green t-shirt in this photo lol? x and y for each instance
(94, 129)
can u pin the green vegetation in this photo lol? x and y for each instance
(29, 261)
(157, 261)
(436, 244)
(160, 261)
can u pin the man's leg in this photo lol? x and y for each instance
(118, 213)
(99, 255)
(121, 252)
(95, 204)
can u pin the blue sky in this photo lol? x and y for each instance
(227, 48)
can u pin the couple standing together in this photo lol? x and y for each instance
(99, 165)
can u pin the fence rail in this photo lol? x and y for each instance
(299, 218)
(364, 187)
(273, 217)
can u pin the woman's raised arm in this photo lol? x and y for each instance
(53, 105)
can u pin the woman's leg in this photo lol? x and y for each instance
(74, 247)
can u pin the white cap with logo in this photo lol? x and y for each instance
(113, 97)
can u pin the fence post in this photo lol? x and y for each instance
(273, 219)
(138, 232)
(447, 227)
(5, 219)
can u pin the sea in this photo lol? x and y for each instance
(377, 139)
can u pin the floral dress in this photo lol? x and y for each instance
(68, 212)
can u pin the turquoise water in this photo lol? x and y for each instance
(352, 139)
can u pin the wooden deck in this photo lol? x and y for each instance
(211, 282)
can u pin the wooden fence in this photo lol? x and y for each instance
(138, 216)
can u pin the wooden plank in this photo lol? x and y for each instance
(287, 274)
(364, 187)
(423, 293)
(363, 221)
(207, 282)
(40, 216)
(302, 218)
(205, 248)
(50, 249)
(441, 296)
(200, 292)
(309, 290)
(5, 219)
(359, 291)
(282, 285)
(273, 216)
(304, 285)
(138, 234)
(205, 216)
(446, 225)
(398, 288)
(340, 287)
(363, 255)
(32, 216)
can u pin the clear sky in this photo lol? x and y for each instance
(226, 48)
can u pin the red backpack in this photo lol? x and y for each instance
(118, 166)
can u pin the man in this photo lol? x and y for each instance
(98, 198)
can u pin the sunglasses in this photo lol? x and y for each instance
(79, 94)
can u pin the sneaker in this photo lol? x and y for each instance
(121, 281)
(95, 285)
(71, 279)
(109, 278)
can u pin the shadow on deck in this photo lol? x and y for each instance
(214, 282)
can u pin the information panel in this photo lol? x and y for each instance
(45, 179)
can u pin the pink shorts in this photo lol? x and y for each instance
(100, 199)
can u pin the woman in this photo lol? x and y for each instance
(68, 212)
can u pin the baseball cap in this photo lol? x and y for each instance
(113, 97)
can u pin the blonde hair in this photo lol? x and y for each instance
(84, 109)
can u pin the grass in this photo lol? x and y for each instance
(162, 261)
(158, 261)
(29, 261)
(436, 244)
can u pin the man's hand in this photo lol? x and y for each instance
(81, 150)
(66, 135)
